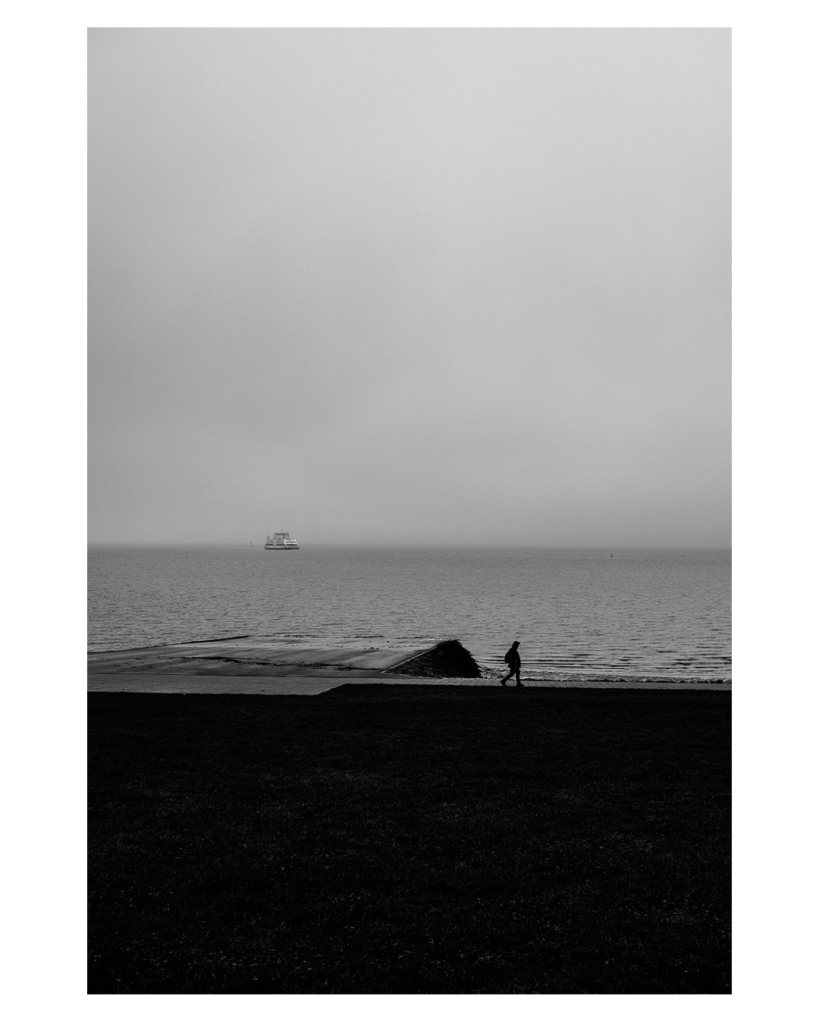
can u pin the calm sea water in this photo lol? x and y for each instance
(636, 614)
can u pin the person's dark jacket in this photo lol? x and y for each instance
(512, 658)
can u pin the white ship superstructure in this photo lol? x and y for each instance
(281, 541)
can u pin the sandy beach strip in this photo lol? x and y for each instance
(176, 682)
(311, 685)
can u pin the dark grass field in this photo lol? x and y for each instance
(382, 839)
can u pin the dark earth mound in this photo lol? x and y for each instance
(448, 660)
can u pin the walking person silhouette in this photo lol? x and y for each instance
(512, 659)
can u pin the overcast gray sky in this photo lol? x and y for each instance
(410, 286)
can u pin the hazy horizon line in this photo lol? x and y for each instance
(418, 546)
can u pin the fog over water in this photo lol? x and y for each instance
(410, 286)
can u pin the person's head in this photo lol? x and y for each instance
(516, 643)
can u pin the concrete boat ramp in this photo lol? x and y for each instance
(248, 665)
(266, 666)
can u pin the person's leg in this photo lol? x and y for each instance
(517, 677)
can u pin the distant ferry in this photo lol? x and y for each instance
(281, 541)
